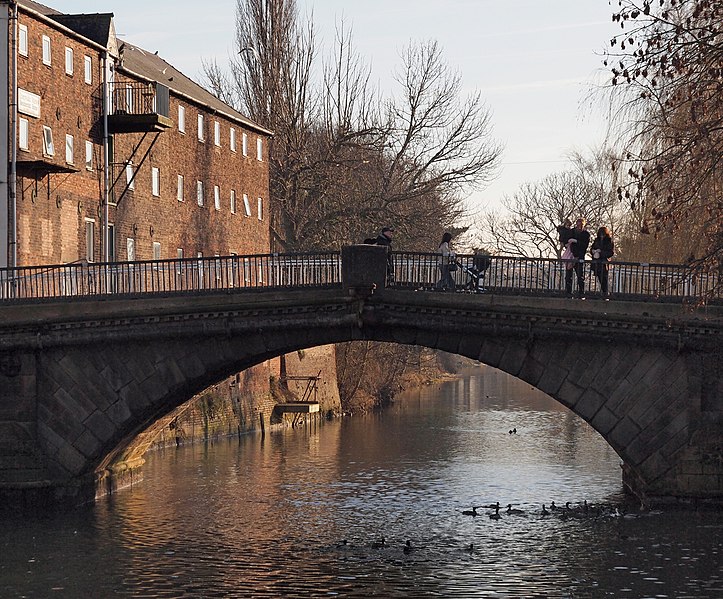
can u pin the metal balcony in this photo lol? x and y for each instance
(138, 107)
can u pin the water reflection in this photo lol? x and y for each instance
(300, 514)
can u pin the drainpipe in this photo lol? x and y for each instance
(12, 171)
(106, 181)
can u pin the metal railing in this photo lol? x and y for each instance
(139, 98)
(541, 276)
(419, 271)
(169, 276)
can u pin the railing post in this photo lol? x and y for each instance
(363, 268)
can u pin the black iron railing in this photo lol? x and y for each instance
(419, 271)
(133, 98)
(169, 276)
(540, 276)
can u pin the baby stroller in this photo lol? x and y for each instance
(475, 272)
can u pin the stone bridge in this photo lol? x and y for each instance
(81, 380)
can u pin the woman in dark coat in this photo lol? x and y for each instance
(603, 249)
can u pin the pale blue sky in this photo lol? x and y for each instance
(532, 60)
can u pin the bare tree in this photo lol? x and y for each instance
(667, 67)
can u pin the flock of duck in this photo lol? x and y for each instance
(579, 510)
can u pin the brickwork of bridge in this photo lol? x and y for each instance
(81, 381)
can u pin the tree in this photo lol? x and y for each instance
(667, 70)
(528, 227)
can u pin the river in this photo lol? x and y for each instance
(302, 513)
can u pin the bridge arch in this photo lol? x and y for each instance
(89, 382)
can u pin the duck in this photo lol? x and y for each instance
(544, 510)
(492, 506)
(553, 507)
(512, 510)
(408, 547)
(470, 548)
(496, 514)
(472, 512)
(382, 542)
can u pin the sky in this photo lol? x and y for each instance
(534, 62)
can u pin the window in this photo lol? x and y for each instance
(46, 50)
(244, 144)
(89, 155)
(260, 206)
(48, 147)
(130, 249)
(200, 128)
(232, 139)
(90, 240)
(179, 253)
(130, 176)
(23, 40)
(179, 188)
(247, 206)
(181, 119)
(88, 69)
(233, 201)
(217, 133)
(259, 150)
(199, 192)
(69, 157)
(156, 250)
(156, 181)
(217, 197)
(111, 242)
(68, 61)
(23, 133)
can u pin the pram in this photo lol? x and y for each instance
(475, 272)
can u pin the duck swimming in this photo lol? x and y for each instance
(512, 510)
(408, 547)
(544, 510)
(472, 512)
(496, 514)
(382, 542)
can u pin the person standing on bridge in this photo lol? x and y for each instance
(603, 249)
(445, 263)
(385, 238)
(580, 240)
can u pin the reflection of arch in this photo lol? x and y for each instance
(122, 367)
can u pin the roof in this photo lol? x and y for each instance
(99, 28)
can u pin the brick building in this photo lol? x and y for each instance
(117, 155)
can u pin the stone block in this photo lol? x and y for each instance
(512, 359)
(589, 404)
(532, 371)
(552, 379)
(623, 434)
(491, 352)
(101, 425)
(569, 394)
(642, 366)
(119, 412)
(604, 421)
(87, 444)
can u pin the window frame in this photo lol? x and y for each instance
(244, 143)
(88, 69)
(259, 149)
(247, 205)
(180, 191)
(217, 197)
(47, 51)
(217, 134)
(48, 145)
(69, 66)
(232, 138)
(232, 201)
(23, 134)
(181, 119)
(199, 193)
(201, 127)
(260, 208)
(22, 39)
(88, 155)
(90, 239)
(69, 149)
(156, 181)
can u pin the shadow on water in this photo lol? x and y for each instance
(303, 514)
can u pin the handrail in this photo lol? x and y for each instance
(200, 274)
(546, 276)
(409, 270)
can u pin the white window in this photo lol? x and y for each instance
(244, 144)
(88, 69)
(179, 253)
(23, 40)
(200, 128)
(233, 201)
(199, 192)
(23, 133)
(156, 250)
(156, 181)
(260, 206)
(247, 206)
(68, 61)
(232, 139)
(89, 239)
(179, 188)
(217, 197)
(130, 178)
(181, 119)
(46, 50)
(217, 133)
(69, 154)
(259, 149)
(48, 147)
(89, 155)
(130, 249)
